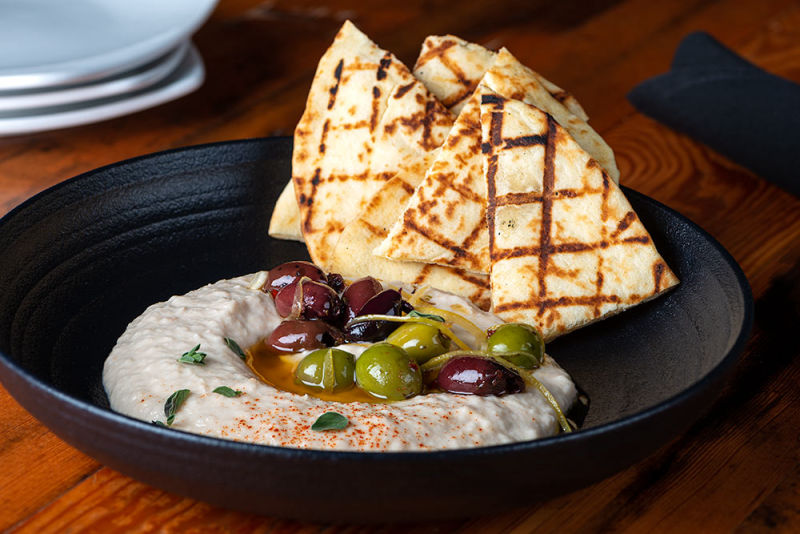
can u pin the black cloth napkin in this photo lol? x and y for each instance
(711, 94)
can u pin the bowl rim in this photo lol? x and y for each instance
(110, 417)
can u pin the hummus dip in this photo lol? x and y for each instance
(142, 371)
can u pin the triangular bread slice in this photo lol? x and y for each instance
(451, 68)
(445, 220)
(285, 220)
(412, 126)
(335, 171)
(567, 249)
(407, 151)
(353, 255)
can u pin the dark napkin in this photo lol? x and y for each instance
(741, 111)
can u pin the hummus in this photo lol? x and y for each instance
(142, 371)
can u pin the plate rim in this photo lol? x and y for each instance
(188, 76)
(129, 81)
(108, 416)
(110, 62)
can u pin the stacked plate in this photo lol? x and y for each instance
(70, 63)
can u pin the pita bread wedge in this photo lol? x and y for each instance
(285, 220)
(445, 220)
(335, 171)
(409, 135)
(451, 68)
(514, 80)
(353, 255)
(567, 249)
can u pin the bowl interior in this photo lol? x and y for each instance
(84, 258)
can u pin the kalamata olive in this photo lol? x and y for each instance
(420, 341)
(384, 303)
(286, 273)
(315, 300)
(473, 375)
(359, 293)
(284, 299)
(519, 343)
(327, 369)
(336, 282)
(297, 336)
(387, 372)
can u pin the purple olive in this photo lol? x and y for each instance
(473, 375)
(315, 300)
(287, 273)
(358, 293)
(285, 299)
(386, 302)
(296, 336)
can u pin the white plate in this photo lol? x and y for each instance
(121, 84)
(47, 43)
(188, 77)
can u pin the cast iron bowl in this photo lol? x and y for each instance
(85, 257)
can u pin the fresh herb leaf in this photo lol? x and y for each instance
(158, 423)
(227, 392)
(235, 348)
(174, 403)
(330, 421)
(415, 313)
(193, 356)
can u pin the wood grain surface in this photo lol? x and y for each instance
(737, 469)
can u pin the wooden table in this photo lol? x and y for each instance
(738, 468)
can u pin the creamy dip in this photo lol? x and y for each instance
(142, 371)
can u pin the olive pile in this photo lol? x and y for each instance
(411, 354)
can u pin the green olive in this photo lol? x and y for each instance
(387, 372)
(519, 343)
(327, 369)
(420, 341)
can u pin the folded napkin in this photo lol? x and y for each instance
(741, 111)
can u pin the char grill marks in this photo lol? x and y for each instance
(551, 258)
(337, 74)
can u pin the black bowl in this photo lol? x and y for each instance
(85, 257)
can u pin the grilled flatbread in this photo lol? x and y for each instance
(445, 220)
(512, 79)
(285, 221)
(567, 249)
(354, 258)
(408, 137)
(451, 68)
(413, 126)
(335, 170)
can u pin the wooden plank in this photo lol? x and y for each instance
(36, 466)
(750, 434)
(779, 513)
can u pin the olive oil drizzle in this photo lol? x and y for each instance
(277, 370)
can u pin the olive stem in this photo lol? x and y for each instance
(562, 420)
(415, 298)
(463, 322)
(527, 375)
